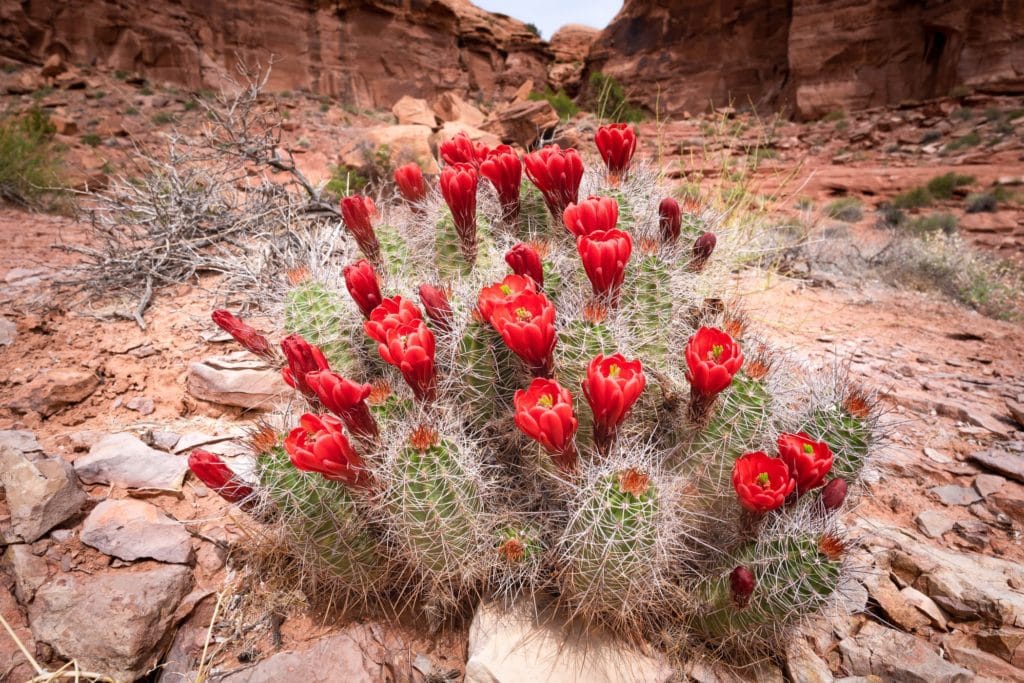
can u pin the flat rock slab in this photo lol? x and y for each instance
(1007, 464)
(113, 621)
(20, 440)
(123, 460)
(40, 494)
(134, 529)
(56, 389)
(956, 495)
(513, 646)
(897, 656)
(933, 523)
(239, 382)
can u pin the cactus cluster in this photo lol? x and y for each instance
(533, 387)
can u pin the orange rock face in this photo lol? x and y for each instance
(811, 56)
(368, 52)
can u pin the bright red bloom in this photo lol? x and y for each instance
(544, 413)
(358, 212)
(250, 339)
(461, 150)
(435, 303)
(557, 174)
(712, 358)
(502, 293)
(761, 483)
(670, 220)
(612, 386)
(362, 284)
(742, 584)
(616, 142)
(319, 444)
(809, 461)
(504, 170)
(346, 399)
(411, 184)
(303, 358)
(391, 313)
(410, 348)
(215, 473)
(605, 254)
(703, 247)
(458, 186)
(524, 260)
(527, 324)
(590, 215)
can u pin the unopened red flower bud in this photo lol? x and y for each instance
(616, 142)
(742, 584)
(834, 494)
(250, 339)
(504, 170)
(458, 186)
(702, 250)
(358, 213)
(411, 184)
(435, 303)
(670, 220)
(524, 260)
(362, 285)
(215, 473)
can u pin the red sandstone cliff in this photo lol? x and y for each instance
(369, 52)
(811, 56)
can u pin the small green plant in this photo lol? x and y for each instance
(961, 114)
(609, 100)
(91, 139)
(890, 216)
(324, 107)
(532, 28)
(960, 91)
(30, 163)
(834, 116)
(981, 202)
(560, 101)
(191, 105)
(145, 91)
(935, 222)
(96, 94)
(131, 111)
(42, 92)
(914, 198)
(162, 118)
(805, 203)
(963, 142)
(846, 209)
(943, 186)
(992, 114)
(121, 75)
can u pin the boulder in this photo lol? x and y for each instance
(8, 332)
(897, 656)
(522, 123)
(401, 144)
(236, 380)
(123, 460)
(413, 111)
(450, 107)
(114, 621)
(21, 440)
(453, 128)
(40, 494)
(29, 570)
(1007, 464)
(56, 389)
(53, 66)
(134, 529)
(515, 645)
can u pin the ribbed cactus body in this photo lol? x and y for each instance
(451, 263)
(850, 438)
(794, 576)
(534, 218)
(324, 522)
(612, 542)
(487, 372)
(393, 249)
(649, 309)
(316, 313)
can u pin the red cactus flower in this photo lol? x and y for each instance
(557, 174)
(742, 584)
(502, 293)
(435, 303)
(761, 483)
(410, 348)
(461, 150)
(544, 413)
(591, 215)
(411, 184)
(809, 461)
(616, 142)
(712, 358)
(362, 284)
(389, 314)
(358, 213)
(612, 386)
(524, 260)
(458, 185)
(504, 170)
(346, 399)
(215, 473)
(605, 254)
(319, 444)
(527, 324)
(250, 339)
(703, 247)
(834, 494)
(670, 220)
(303, 358)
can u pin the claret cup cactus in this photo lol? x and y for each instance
(530, 386)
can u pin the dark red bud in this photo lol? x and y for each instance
(435, 302)
(834, 494)
(742, 582)
(703, 247)
(669, 220)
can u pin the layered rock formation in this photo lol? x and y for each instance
(368, 52)
(811, 56)
(570, 46)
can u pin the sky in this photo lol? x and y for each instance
(549, 15)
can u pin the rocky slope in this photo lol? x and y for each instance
(811, 56)
(366, 52)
